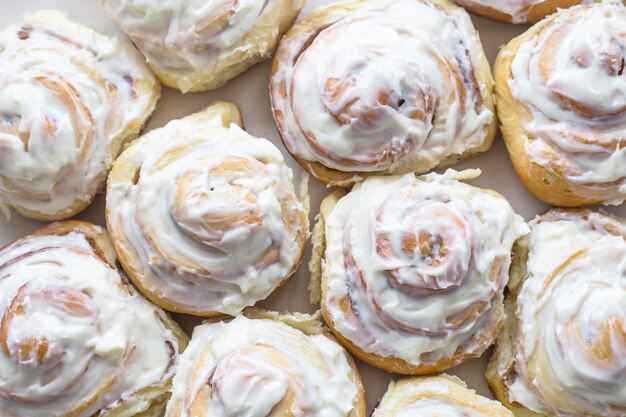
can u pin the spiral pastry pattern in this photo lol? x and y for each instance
(382, 86)
(564, 352)
(204, 217)
(262, 367)
(69, 99)
(197, 45)
(516, 11)
(75, 338)
(436, 396)
(562, 100)
(413, 281)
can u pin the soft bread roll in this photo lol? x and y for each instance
(515, 11)
(266, 364)
(412, 282)
(367, 87)
(204, 217)
(70, 99)
(199, 45)
(562, 105)
(76, 339)
(562, 349)
(436, 396)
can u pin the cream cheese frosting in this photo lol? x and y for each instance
(436, 396)
(381, 85)
(97, 343)
(571, 355)
(205, 217)
(191, 37)
(421, 266)
(251, 367)
(569, 77)
(69, 97)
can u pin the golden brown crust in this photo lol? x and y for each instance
(501, 367)
(534, 14)
(125, 169)
(319, 19)
(389, 364)
(155, 395)
(142, 87)
(252, 48)
(446, 389)
(545, 184)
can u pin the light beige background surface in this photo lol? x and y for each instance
(250, 92)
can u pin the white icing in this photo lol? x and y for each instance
(428, 407)
(517, 9)
(478, 229)
(386, 86)
(575, 287)
(192, 36)
(183, 217)
(251, 365)
(433, 397)
(577, 57)
(117, 338)
(65, 97)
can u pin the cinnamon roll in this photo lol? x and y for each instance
(200, 45)
(515, 11)
(562, 103)
(76, 339)
(562, 351)
(413, 281)
(382, 86)
(69, 100)
(266, 365)
(436, 396)
(204, 217)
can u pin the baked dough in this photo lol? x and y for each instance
(204, 217)
(562, 350)
(76, 339)
(199, 45)
(366, 87)
(266, 364)
(70, 98)
(413, 281)
(562, 105)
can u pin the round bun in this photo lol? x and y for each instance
(266, 364)
(516, 11)
(366, 87)
(562, 106)
(413, 281)
(195, 47)
(204, 217)
(76, 339)
(70, 99)
(436, 396)
(562, 349)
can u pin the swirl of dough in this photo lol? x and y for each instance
(198, 45)
(562, 91)
(75, 338)
(69, 100)
(257, 367)
(516, 11)
(204, 217)
(382, 86)
(413, 282)
(436, 396)
(568, 335)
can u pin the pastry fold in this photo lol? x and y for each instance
(76, 339)
(204, 217)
